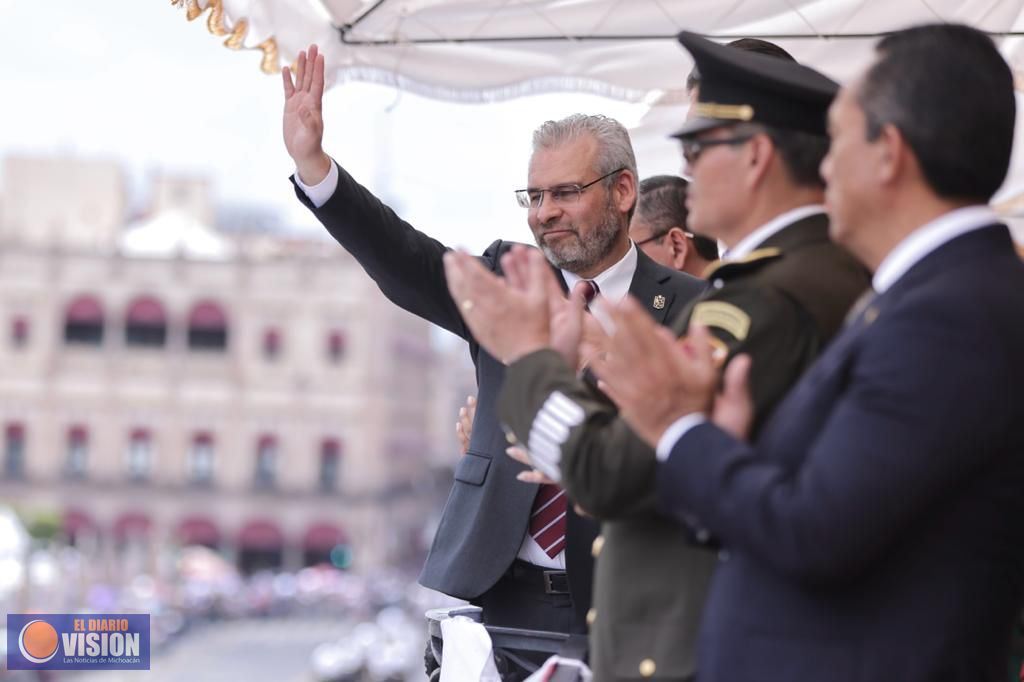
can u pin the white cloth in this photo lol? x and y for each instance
(927, 238)
(468, 653)
(761, 234)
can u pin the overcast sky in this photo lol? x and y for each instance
(134, 81)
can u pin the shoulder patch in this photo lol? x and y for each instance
(724, 316)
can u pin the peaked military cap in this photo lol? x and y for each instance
(738, 86)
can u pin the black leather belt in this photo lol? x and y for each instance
(550, 581)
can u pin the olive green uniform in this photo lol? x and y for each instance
(781, 304)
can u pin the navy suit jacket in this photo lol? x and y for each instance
(876, 532)
(485, 519)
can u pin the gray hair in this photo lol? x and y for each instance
(614, 147)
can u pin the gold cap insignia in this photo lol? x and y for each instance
(731, 112)
(658, 302)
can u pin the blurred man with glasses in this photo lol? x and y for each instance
(659, 227)
(517, 550)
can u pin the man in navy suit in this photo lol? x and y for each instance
(876, 531)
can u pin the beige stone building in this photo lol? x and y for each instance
(165, 383)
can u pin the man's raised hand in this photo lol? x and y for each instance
(303, 116)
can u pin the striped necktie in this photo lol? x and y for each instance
(547, 519)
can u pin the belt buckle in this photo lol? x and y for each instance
(549, 585)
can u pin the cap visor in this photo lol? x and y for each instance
(699, 125)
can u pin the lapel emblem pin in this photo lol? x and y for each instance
(658, 302)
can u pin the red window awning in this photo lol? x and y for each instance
(146, 311)
(85, 310)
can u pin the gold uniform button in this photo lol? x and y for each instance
(597, 546)
(591, 616)
(647, 668)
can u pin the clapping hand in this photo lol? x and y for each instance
(652, 376)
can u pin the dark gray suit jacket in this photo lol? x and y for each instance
(484, 521)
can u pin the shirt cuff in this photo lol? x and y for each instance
(677, 430)
(319, 193)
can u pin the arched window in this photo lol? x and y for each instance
(78, 525)
(132, 527)
(336, 343)
(201, 459)
(145, 323)
(207, 327)
(324, 543)
(19, 332)
(330, 464)
(260, 546)
(83, 322)
(14, 451)
(266, 462)
(198, 530)
(271, 344)
(140, 454)
(77, 461)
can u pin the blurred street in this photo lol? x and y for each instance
(257, 650)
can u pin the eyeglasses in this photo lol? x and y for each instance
(693, 148)
(659, 235)
(562, 195)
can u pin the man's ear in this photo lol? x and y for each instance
(894, 156)
(624, 190)
(680, 245)
(760, 153)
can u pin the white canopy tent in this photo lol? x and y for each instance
(488, 50)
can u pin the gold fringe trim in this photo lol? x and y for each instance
(217, 26)
(237, 35)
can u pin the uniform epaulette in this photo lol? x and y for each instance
(758, 256)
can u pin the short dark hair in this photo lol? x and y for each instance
(749, 45)
(949, 92)
(661, 203)
(801, 153)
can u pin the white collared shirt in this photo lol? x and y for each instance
(926, 239)
(613, 283)
(776, 224)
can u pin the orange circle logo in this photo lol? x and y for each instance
(38, 641)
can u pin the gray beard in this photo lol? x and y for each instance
(578, 255)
